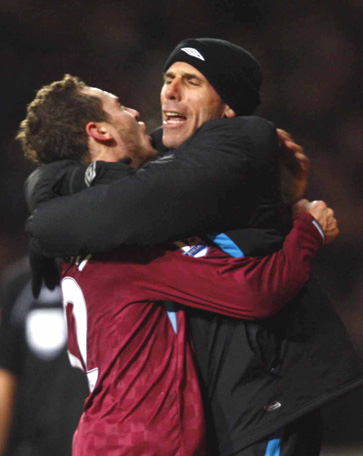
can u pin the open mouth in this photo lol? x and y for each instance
(173, 118)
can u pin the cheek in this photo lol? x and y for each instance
(201, 116)
(133, 129)
(204, 108)
(197, 111)
(213, 110)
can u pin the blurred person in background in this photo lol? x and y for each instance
(41, 395)
(261, 398)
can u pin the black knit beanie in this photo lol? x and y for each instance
(233, 72)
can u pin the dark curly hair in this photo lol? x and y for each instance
(54, 128)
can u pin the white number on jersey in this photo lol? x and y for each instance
(73, 298)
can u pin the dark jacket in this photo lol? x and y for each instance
(255, 376)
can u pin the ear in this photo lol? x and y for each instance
(228, 112)
(98, 131)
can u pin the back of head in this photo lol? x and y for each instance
(54, 128)
(233, 72)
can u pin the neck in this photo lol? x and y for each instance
(105, 153)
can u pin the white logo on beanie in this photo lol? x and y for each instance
(193, 52)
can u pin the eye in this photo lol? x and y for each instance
(194, 82)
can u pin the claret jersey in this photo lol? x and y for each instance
(144, 395)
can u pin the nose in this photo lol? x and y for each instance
(172, 90)
(135, 114)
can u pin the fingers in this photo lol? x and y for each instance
(288, 145)
(332, 229)
(294, 168)
(292, 151)
(283, 135)
(319, 210)
(318, 206)
(291, 145)
(331, 234)
(302, 158)
(301, 206)
(286, 139)
(325, 217)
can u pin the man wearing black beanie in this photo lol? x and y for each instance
(206, 79)
(233, 72)
(263, 380)
(227, 80)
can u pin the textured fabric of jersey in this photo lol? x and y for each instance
(145, 397)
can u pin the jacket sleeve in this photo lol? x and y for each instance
(206, 185)
(248, 288)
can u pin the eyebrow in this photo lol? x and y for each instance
(170, 74)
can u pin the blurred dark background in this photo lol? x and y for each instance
(311, 56)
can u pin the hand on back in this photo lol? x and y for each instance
(294, 166)
(323, 214)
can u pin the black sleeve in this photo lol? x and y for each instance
(208, 184)
(66, 177)
(96, 173)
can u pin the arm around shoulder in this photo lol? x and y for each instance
(196, 189)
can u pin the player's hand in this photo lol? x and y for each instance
(294, 168)
(323, 214)
(44, 270)
(42, 184)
